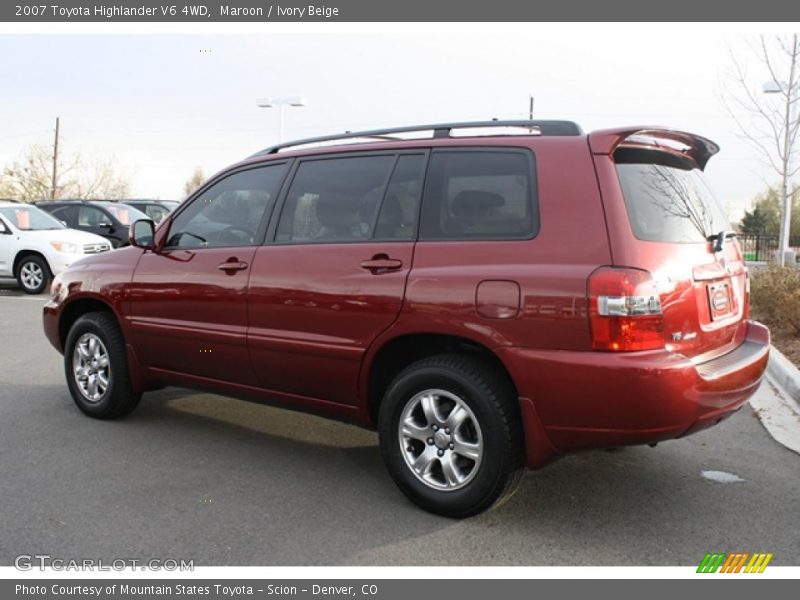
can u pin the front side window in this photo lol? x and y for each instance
(230, 212)
(481, 195)
(334, 199)
(89, 216)
(66, 214)
(156, 212)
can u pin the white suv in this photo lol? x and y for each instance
(34, 246)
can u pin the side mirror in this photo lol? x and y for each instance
(4, 230)
(142, 234)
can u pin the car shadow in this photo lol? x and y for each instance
(10, 288)
(230, 482)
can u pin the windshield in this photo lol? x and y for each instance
(30, 218)
(668, 201)
(125, 214)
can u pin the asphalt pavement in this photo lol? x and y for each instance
(224, 482)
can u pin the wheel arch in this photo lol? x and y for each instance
(79, 307)
(395, 354)
(21, 254)
(82, 305)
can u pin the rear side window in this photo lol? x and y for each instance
(334, 199)
(479, 194)
(667, 200)
(398, 216)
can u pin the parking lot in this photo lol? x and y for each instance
(224, 482)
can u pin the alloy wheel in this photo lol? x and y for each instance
(440, 439)
(91, 367)
(32, 275)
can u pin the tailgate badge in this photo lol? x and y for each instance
(679, 335)
(719, 301)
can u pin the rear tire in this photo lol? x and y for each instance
(96, 366)
(451, 435)
(33, 274)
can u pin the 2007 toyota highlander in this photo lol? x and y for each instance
(487, 295)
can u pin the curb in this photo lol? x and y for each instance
(777, 403)
(784, 374)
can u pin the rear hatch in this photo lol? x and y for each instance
(668, 223)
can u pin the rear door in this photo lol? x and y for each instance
(664, 218)
(333, 275)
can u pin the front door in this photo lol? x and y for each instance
(97, 221)
(188, 299)
(7, 240)
(333, 278)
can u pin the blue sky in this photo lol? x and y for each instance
(165, 104)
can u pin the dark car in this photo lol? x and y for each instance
(155, 209)
(486, 295)
(110, 220)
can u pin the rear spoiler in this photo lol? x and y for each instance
(699, 149)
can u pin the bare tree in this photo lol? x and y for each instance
(98, 179)
(765, 109)
(30, 177)
(194, 182)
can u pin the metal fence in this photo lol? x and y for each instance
(757, 248)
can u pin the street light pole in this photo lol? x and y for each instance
(789, 121)
(785, 194)
(280, 103)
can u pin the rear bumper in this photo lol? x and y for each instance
(577, 400)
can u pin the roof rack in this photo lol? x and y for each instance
(440, 130)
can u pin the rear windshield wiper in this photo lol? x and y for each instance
(718, 239)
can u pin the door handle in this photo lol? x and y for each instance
(381, 262)
(232, 265)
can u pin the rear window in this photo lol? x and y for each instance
(668, 200)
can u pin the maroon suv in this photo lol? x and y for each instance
(486, 295)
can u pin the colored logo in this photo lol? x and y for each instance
(735, 562)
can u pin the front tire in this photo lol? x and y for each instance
(33, 274)
(451, 435)
(96, 366)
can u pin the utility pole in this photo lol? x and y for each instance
(54, 186)
(530, 108)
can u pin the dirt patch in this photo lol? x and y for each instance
(783, 338)
(775, 301)
(788, 344)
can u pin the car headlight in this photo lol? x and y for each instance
(67, 247)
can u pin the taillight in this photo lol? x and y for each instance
(746, 311)
(625, 310)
